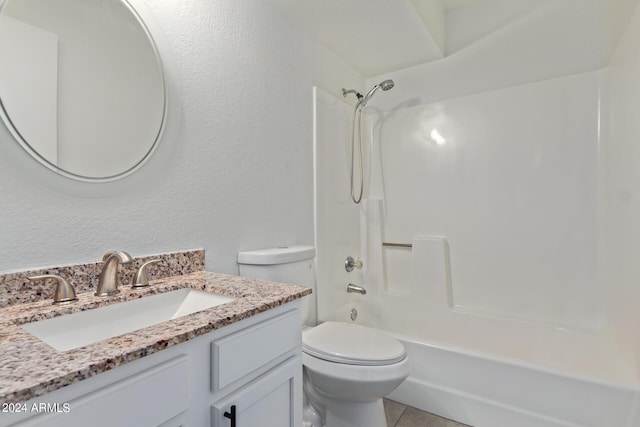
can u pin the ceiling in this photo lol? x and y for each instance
(375, 36)
(379, 36)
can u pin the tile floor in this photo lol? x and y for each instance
(399, 415)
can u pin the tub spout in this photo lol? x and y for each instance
(355, 288)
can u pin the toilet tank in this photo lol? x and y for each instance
(285, 264)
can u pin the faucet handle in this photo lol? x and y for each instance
(351, 263)
(64, 291)
(141, 279)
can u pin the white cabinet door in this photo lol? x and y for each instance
(147, 398)
(272, 400)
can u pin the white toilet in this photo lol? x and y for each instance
(348, 368)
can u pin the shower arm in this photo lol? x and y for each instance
(345, 92)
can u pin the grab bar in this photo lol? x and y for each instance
(397, 245)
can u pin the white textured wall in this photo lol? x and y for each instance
(238, 175)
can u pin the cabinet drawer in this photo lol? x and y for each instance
(239, 354)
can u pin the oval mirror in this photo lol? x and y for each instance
(81, 85)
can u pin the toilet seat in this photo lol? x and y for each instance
(352, 344)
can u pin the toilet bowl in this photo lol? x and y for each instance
(348, 369)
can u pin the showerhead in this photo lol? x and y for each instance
(385, 85)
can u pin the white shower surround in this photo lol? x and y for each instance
(514, 188)
(516, 302)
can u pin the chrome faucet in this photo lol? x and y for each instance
(108, 284)
(355, 288)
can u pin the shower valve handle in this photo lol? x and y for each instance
(351, 263)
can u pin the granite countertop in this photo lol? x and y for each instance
(30, 368)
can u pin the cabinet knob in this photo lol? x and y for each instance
(231, 415)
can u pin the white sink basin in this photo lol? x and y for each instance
(86, 327)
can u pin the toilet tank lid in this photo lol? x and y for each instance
(279, 255)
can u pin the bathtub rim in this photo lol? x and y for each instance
(632, 387)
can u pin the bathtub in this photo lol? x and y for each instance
(490, 368)
(490, 371)
(493, 390)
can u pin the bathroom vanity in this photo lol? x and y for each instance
(235, 364)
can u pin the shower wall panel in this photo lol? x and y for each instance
(512, 180)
